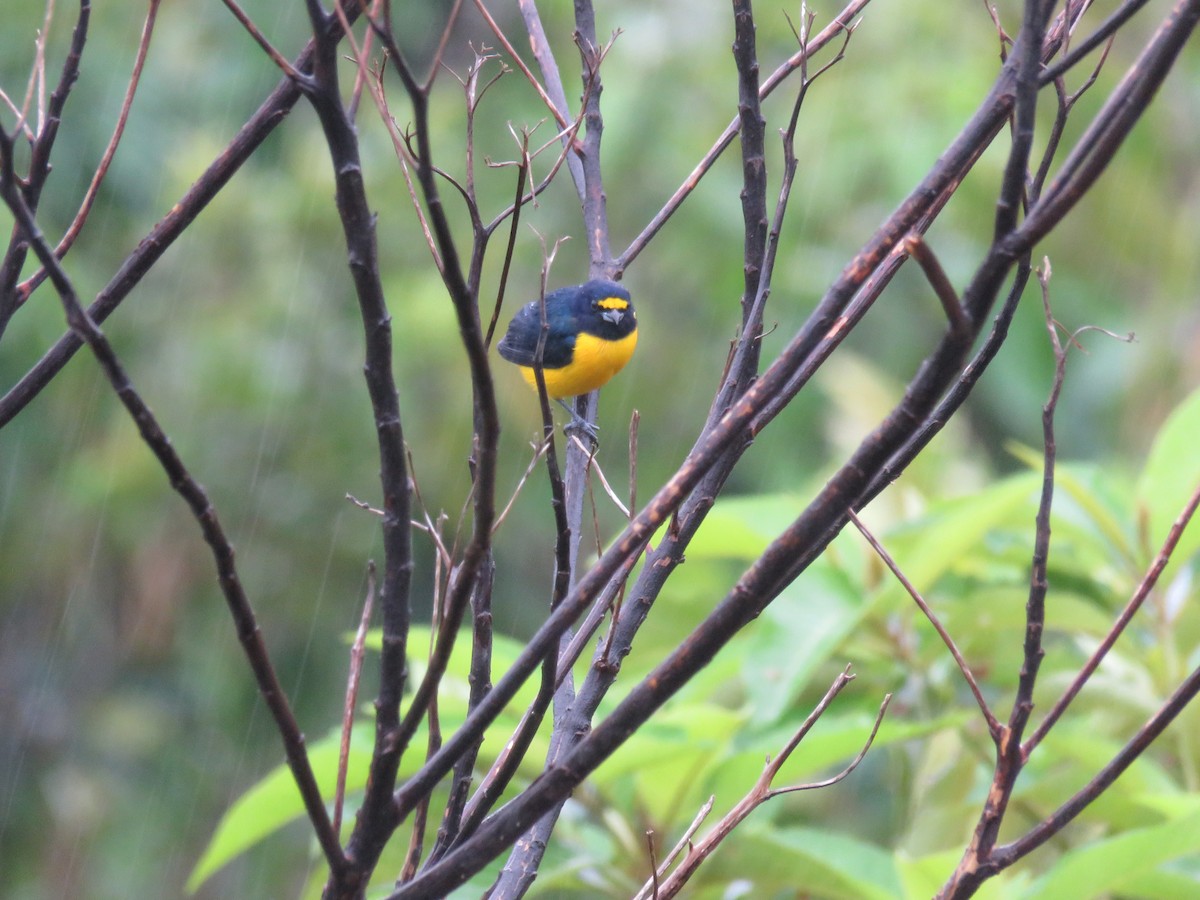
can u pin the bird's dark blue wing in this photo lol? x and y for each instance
(519, 344)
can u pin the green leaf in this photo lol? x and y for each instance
(1090, 495)
(1127, 859)
(800, 631)
(1171, 474)
(953, 531)
(809, 862)
(274, 802)
(742, 527)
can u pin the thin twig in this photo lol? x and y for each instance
(162, 236)
(278, 58)
(560, 115)
(538, 450)
(357, 653)
(653, 863)
(994, 727)
(1051, 825)
(1104, 32)
(916, 246)
(684, 842)
(764, 791)
(837, 25)
(594, 466)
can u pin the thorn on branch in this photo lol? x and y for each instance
(362, 504)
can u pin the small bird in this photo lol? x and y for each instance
(592, 333)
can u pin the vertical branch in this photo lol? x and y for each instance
(754, 164)
(554, 94)
(595, 207)
(1028, 52)
(523, 863)
(1009, 758)
(376, 818)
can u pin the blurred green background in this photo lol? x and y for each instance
(130, 722)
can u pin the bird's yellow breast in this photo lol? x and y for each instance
(594, 362)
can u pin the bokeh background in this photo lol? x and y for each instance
(129, 722)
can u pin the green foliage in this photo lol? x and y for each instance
(894, 827)
(131, 720)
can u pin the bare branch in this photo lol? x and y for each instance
(840, 23)
(919, 250)
(1104, 32)
(684, 843)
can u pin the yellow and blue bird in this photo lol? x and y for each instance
(592, 333)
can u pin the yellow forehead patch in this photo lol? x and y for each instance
(613, 303)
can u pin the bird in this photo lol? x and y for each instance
(591, 334)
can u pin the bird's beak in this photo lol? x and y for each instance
(613, 315)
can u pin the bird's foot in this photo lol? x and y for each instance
(583, 429)
(580, 427)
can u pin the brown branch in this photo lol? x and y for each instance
(1103, 33)
(684, 842)
(1112, 124)
(916, 247)
(523, 168)
(42, 146)
(554, 95)
(557, 109)
(376, 818)
(510, 757)
(36, 81)
(380, 817)
(1009, 757)
(1008, 854)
